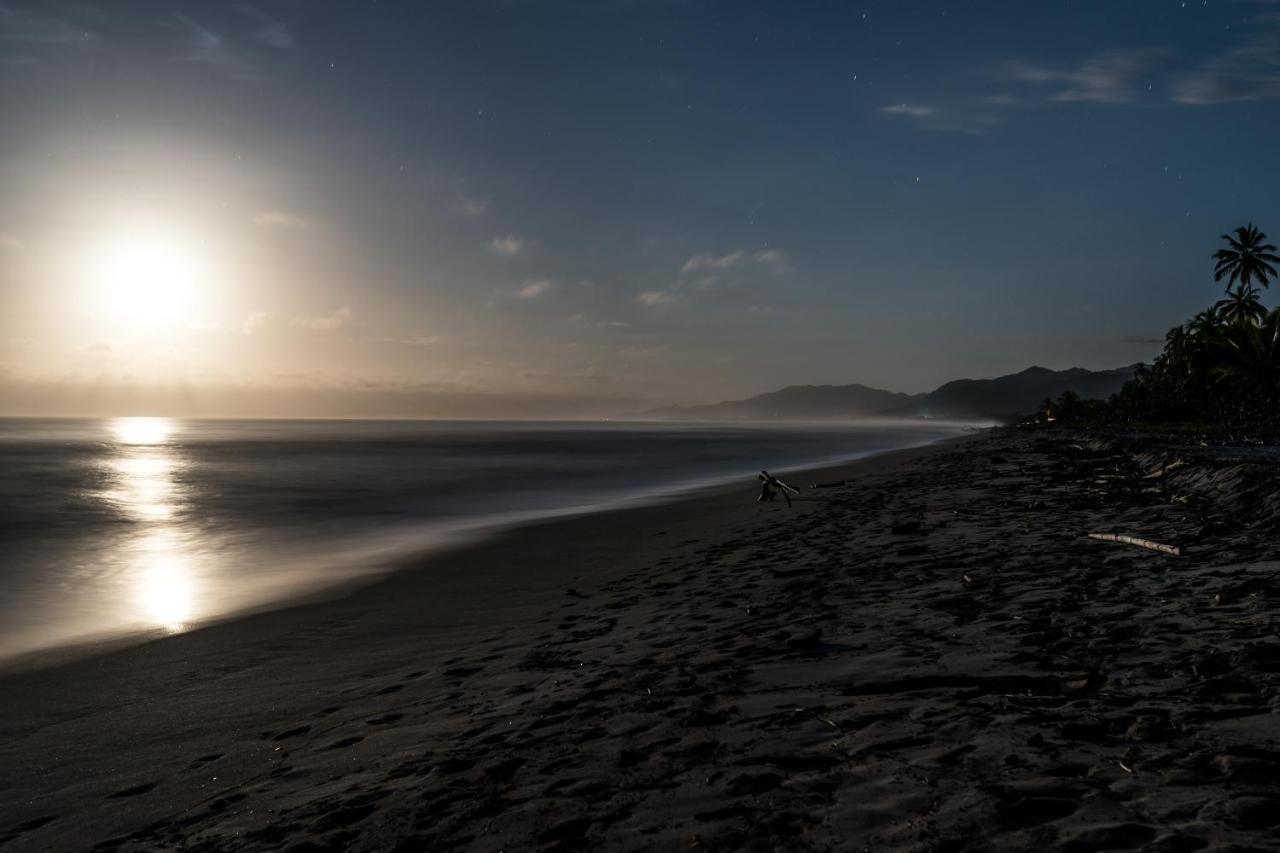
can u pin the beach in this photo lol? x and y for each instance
(931, 656)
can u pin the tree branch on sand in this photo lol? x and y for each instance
(1171, 550)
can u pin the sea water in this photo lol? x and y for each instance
(140, 525)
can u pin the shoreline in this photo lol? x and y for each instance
(930, 657)
(384, 561)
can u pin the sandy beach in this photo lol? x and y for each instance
(932, 656)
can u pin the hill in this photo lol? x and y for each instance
(1015, 394)
(1003, 397)
(795, 402)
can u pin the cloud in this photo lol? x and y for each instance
(913, 110)
(1248, 72)
(532, 289)
(657, 298)
(25, 28)
(586, 319)
(508, 246)
(254, 322)
(330, 322)
(245, 56)
(642, 352)
(272, 33)
(279, 219)
(106, 346)
(10, 243)
(1141, 339)
(206, 47)
(248, 45)
(473, 205)
(773, 259)
(1112, 77)
(970, 115)
(421, 341)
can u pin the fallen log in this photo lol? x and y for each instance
(1171, 550)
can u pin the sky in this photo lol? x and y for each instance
(546, 208)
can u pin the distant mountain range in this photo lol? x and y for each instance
(811, 401)
(1002, 398)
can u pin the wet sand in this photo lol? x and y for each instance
(931, 657)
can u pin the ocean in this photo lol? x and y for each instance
(144, 526)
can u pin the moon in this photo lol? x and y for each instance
(146, 278)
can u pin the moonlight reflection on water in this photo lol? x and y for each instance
(158, 561)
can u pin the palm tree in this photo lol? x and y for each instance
(1247, 260)
(1206, 323)
(1241, 306)
(1250, 363)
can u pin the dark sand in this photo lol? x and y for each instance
(932, 657)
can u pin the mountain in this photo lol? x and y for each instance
(1015, 394)
(1004, 397)
(795, 402)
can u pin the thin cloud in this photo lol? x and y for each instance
(330, 322)
(213, 50)
(642, 352)
(279, 219)
(473, 206)
(657, 298)
(1248, 72)
(507, 247)
(244, 56)
(1113, 77)
(10, 243)
(912, 110)
(969, 115)
(25, 28)
(255, 322)
(533, 289)
(773, 259)
(105, 346)
(422, 341)
(1141, 339)
(271, 32)
(586, 319)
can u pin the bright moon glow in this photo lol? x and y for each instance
(141, 430)
(146, 278)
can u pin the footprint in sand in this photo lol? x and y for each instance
(136, 790)
(25, 827)
(203, 760)
(300, 730)
(384, 719)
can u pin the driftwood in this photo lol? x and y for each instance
(1171, 550)
(766, 477)
(829, 485)
(1172, 466)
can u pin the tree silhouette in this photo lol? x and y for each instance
(1246, 260)
(1223, 365)
(1249, 363)
(1241, 306)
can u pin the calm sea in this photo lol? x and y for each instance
(155, 524)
